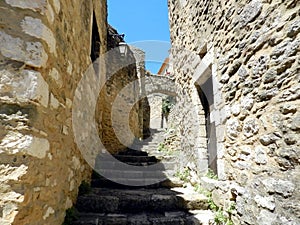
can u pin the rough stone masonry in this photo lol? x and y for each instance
(237, 110)
(244, 56)
(45, 48)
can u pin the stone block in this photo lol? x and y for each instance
(261, 155)
(54, 103)
(283, 187)
(220, 133)
(294, 29)
(233, 127)
(266, 217)
(221, 170)
(25, 85)
(208, 184)
(36, 28)
(218, 98)
(17, 143)
(35, 5)
(220, 150)
(250, 12)
(251, 127)
(265, 202)
(268, 139)
(247, 103)
(31, 53)
(56, 5)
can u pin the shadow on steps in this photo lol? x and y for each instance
(134, 189)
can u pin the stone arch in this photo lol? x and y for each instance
(157, 89)
(159, 112)
(160, 84)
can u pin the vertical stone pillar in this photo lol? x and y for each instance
(144, 111)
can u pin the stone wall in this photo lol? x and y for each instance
(156, 120)
(158, 88)
(45, 48)
(120, 111)
(250, 52)
(143, 103)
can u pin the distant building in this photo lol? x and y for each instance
(165, 68)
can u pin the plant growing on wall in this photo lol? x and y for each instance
(71, 215)
(84, 188)
(183, 175)
(222, 216)
(210, 174)
(167, 104)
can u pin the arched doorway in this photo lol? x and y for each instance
(205, 92)
(160, 107)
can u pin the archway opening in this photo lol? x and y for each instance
(205, 92)
(160, 108)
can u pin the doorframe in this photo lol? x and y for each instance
(207, 69)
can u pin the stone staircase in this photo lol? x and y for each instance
(139, 195)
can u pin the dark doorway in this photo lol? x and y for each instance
(205, 92)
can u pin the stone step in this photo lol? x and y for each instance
(108, 160)
(121, 183)
(103, 200)
(135, 173)
(133, 152)
(114, 165)
(141, 195)
(136, 166)
(166, 218)
(165, 158)
(130, 158)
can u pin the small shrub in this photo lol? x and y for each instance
(161, 147)
(71, 215)
(164, 149)
(231, 208)
(167, 105)
(183, 175)
(220, 217)
(84, 188)
(211, 204)
(210, 174)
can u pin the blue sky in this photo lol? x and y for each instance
(145, 25)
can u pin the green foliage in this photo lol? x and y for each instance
(220, 217)
(198, 188)
(71, 215)
(84, 188)
(210, 174)
(183, 175)
(161, 147)
(231, 208)
(211, 203)
(167, 104)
